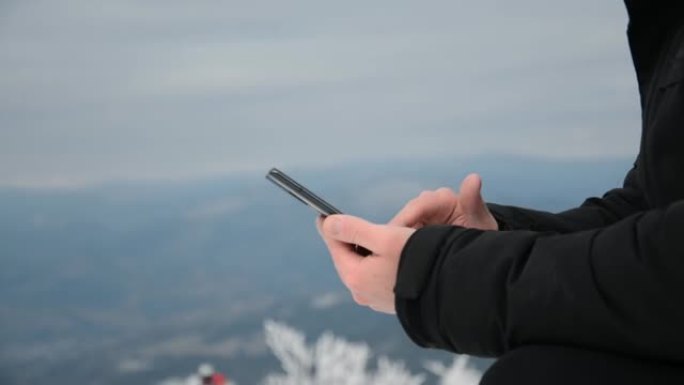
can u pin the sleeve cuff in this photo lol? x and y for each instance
(417, 260)
(445, 292)
(418, 313)
(502, 215)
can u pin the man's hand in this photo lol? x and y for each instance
(445, 207)
(370, 279)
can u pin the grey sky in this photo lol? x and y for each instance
(92, 91)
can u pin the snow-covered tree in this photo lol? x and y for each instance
(334, 361)
(459, 373)
(296, 358)
(338, 362)
(392, 373)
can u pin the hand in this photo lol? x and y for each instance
(370, 279)
(445, 207)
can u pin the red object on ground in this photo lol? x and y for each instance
(218, 379)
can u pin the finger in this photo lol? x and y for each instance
(471, 196)
(345, 260)
(416, 210)
(380, 309)
(354, 231)
(407, 216)
(360, 299)
(474, 206)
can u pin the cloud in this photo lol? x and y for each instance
(171, 89)
(217, 209)
(329, 300)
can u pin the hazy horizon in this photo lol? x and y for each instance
(169, 90)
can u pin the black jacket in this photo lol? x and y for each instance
(608, 275)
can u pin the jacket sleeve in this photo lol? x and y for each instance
(593, 213)
(619, 289)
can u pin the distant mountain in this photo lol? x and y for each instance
(129, 283)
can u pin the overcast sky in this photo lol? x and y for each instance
(94, 91)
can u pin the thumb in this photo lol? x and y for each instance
(351, 230)
(470, 197)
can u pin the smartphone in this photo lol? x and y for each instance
(301, 193)
(310, 199)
